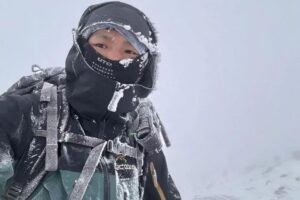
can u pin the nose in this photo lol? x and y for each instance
(115, 54)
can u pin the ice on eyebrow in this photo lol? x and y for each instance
(143, 39)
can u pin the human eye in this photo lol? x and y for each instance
(131, 52)
(100, 45)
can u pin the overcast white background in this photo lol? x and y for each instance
(228, 87)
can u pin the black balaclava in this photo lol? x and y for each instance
(126, 71)
(95, 85)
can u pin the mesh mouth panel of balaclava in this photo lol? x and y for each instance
(128, 70)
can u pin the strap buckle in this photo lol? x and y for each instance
(116, 147)
(13, 192)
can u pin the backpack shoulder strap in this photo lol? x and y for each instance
(23, 184)
(49, 95)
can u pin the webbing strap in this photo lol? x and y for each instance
(119, 148)
(49, 94)
(88, 171)
(113, 146)
(73, 138)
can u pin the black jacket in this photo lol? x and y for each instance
(18, 117)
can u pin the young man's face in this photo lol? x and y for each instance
(112, 45)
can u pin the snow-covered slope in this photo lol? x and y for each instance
(279, 180)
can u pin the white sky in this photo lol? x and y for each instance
(228, 88)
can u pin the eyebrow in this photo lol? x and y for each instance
(106, 37)
(109, 38)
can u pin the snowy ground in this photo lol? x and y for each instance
(276, 180)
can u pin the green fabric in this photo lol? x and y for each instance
(58, 186)
(55, 187)
(40, 193)
(6, 171)
(51, 188)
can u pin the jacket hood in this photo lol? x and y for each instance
(130, 22)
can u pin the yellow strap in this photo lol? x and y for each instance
(156, 184)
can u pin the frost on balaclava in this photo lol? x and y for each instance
(126, 71)
(96, 85)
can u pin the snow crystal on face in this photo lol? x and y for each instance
(143, 39)
(127, 27)
(146, 41)
(126, 62)
(144, 59)
(152, 47)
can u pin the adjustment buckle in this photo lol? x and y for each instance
(13, 192)
(116, 147)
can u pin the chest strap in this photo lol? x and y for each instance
(98, 145)
(113, 146)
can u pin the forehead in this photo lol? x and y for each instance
(108, 35)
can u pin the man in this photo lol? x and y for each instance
(91, 132)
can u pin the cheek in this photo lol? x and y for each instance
(103, 51)
(100, 50)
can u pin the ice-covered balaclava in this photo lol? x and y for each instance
(96, 85)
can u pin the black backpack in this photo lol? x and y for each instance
(50, 82)
(34, 82)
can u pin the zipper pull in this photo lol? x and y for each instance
(79, 124)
